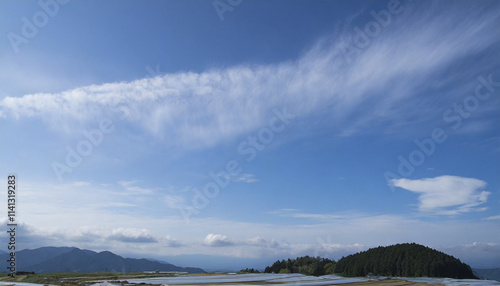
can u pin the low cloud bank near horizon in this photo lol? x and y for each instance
(332, 240)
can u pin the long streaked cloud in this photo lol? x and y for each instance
(495, 217)
(245, 178)
(294, 213)
(448, 195)
(376, 86)
(131, 188)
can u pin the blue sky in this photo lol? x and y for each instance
(253, 130)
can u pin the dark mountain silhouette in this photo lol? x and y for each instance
(72, 259)
(404, 260)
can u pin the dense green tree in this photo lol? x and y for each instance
(247, 270)
(329, 268)
(404, 260)
(306, 265)
(408, 259)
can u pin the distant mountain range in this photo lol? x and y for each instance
(489, 274)
(212, 263)
(72, 259)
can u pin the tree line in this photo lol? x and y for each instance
(400, 260)
(307, 265)
(404, 260)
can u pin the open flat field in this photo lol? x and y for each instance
(132, 279)
(64, 278)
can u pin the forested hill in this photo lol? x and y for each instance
(307, 265)
(404, 260)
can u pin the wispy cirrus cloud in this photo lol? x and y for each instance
(295, 213)
(376, 87)
(174, 201)
(245, 178)
(449, 195)
(132, 188)
(314, 216)
(495, 217)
